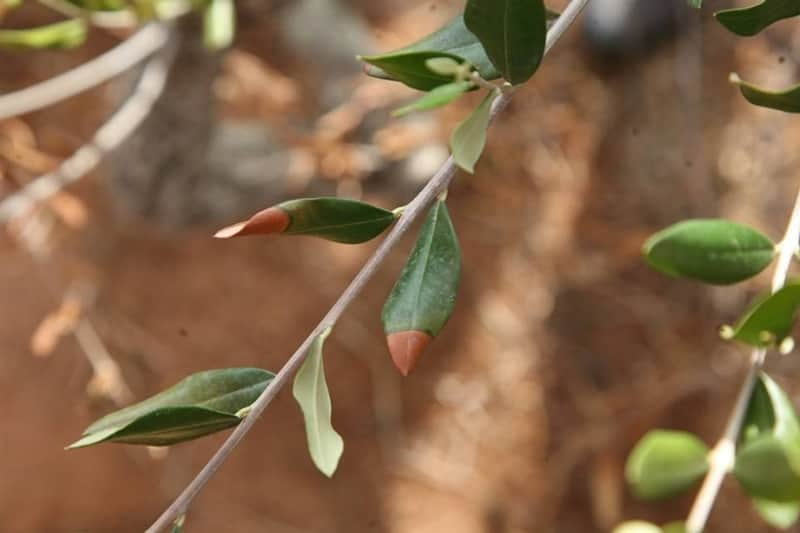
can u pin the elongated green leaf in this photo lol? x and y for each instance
(177, 525)
(65, 34)
(311, 391)
(441, 95)
(697, 4)
(452, 40)
(512, 33)
(424, 296)
(787, 100)
(334, 219)
(219, 24)
(411, 68)
(710, 250)
(769, 321)
(200, 404)
(469, 138)
(665, 463)
(751, 20)
(781, 515)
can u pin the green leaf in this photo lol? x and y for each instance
(411, 68)
(219, 24)
(710, 250)
(787, 100)
(453, 40)
(425, 294)
(200, 404)
(512, 32)
(781, 515)
(767, 468)
(697, 4)
(334, 219)
(751, 20)
(65, 34)
(769, 321)
(311, 391)
(177, 525)
(441, 95)
(674, 527)
(665, 463)
(469, 137)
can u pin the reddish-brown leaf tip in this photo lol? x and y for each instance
(406, 348)
(269, 221)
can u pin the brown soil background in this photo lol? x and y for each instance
(564, 348)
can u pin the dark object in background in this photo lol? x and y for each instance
(618, 29)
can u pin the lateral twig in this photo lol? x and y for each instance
(413, 210)
(119, 127)
(723, 455)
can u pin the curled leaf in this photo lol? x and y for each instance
(424, 296)
(334, 219)
(200, 404)
(311, 391)
(751, 20)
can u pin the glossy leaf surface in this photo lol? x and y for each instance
(665, 463)
(203, 403)
(710, 250)
(425, 294)
(512, 33)
(771, 320)
(469, 138)
(751, 20)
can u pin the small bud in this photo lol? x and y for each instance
(269, 221)
(727, 332)
(767, 337)
(406, 348)
(786, 346)
(445, 66)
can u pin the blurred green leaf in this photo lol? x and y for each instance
(311, 391)
(200, 404)
(100, 5)
(770, 320)
(441, 95)
(781, 515)
(219, 24)
(710, 250)
(512, 33)
(751, 20)
(767, 468)
(177, 525)
(665, 463)
(469, 137)
(787, 100)
(65, 34)
(697, 4)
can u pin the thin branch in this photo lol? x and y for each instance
(119, 127)
(723, 456)
(96, 72)
(413, 210)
